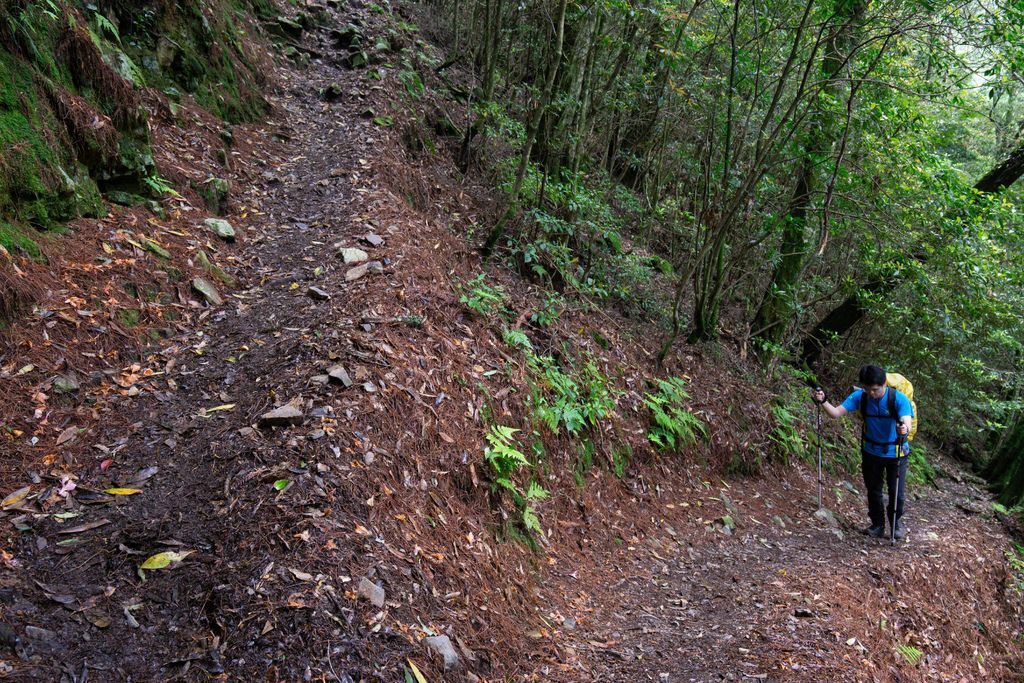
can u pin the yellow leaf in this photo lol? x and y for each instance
(16, 497)
(226, 406)
(164, 560)
(122, 492)
(416, 672)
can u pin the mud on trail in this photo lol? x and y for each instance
(359, 538)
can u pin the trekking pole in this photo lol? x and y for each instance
(819, 451)
(896, 499)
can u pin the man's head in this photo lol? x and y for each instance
(872, 379)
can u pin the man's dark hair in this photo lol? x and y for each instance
(872, 376)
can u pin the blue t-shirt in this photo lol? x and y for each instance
(880, 427)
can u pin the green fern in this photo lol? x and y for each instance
(503, 456)
(107, 26)
(674, 427)
(910, 653)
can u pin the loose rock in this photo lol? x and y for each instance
(317, 294)
(282, 417)
(827, 516)
(209, 292)
(359, 271)
(221, 228)
(374, 240)
(353, 255)
(339, 375)
(65, 384)
(371, 592)
(442, 646)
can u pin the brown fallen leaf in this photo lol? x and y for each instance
(16, 497)
(67, 436)
(85, 527)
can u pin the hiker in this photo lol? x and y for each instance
(887, 415)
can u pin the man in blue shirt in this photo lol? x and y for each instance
(887, 415)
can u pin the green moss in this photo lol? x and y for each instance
(128, 317)
(16, 241)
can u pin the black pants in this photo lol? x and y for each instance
(876, 471)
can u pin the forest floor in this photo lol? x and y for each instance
(331, 548)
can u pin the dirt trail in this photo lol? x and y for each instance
(207, 477)
(799, 599)
(279, 524)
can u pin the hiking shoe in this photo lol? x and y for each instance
(900, 532)
(874, 531)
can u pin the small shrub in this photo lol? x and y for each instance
(517, 339)
(505, 458)
(673, 426)
(567, 399)
(785, 434)
(919, 470)
(621, 457)
(481, 297)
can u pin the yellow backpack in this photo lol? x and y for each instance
(903, 385)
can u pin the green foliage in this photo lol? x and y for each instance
(673, 427)
(785, 434)
(548, 312)
(910, 653)
(919, 470)
(621, 457)
(1015, 558)
(503, 456)
(411, 81)
(506, 460)
(517, 339)
(481, 297)
(572, 398)
(159, 186)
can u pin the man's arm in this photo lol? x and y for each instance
(833, 411)
(904, 426)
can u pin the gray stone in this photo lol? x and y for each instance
(777, 521)
(290, 28)
(221, 228)
(65, 384)
(828, 517)
(569, 624)
(850, 487)
(282, 417)
(209, 292)
(442, 646)
(339, 375)
(730, 506)
(359, 271)
(374, 240)
(353, 255)
(371, 592)
(317, 294)
(320, 379)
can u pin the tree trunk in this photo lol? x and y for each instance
(531, 136)
(779, 303)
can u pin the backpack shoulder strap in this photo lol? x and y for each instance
(863, 403)
(892, 404)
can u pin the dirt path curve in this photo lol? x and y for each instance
(241, 601)
(806, 601)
